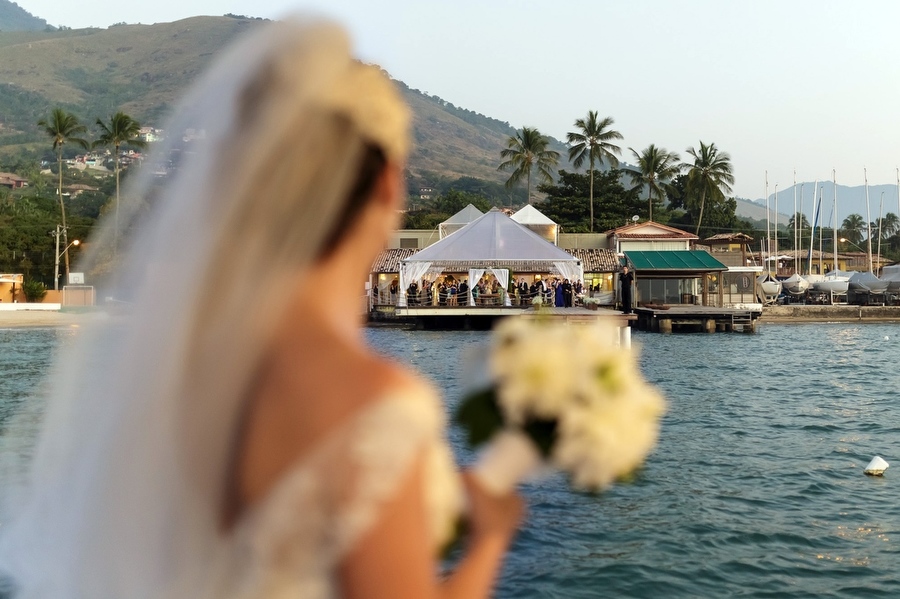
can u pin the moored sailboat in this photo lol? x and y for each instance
(795, 284)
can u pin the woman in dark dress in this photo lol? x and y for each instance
(626, 281)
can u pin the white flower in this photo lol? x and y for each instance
(607, 416)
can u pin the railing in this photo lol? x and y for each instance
(461, 301)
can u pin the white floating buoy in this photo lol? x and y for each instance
(886, 338)
(877, 466)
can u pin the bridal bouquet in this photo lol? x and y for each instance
(568, 397)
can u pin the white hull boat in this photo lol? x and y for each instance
(867, 282)
(795, 284)
(891, 274)
(836, 281)
(768, 288)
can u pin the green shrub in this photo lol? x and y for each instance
(34, 291)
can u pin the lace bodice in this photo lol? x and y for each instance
(289, 544)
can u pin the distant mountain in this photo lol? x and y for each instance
(850, 200)
(143, 69)
(15, 18)
(754, 211)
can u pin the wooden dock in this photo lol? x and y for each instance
(687, 318)
(483, 317)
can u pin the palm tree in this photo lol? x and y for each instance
(710, 175)
(592, 141)
(852, 227)
(63, 127)
(120, 129)
(800, 219)
(890, 224)
(526, 150)
(656, 167)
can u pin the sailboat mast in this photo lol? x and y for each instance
(768, 238)
(868, 221)
(775, 231)
(835, 217)
(880, 225)
(795, 221)
(821, 195)
(812, 232)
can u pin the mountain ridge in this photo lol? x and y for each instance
(15, 18)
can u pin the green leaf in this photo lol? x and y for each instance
(542, 433)
(479, 415)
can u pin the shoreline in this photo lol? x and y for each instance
(848, 314)
(12, 319)
(17, 319)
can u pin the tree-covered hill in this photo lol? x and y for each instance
(15, 18)
(143, 69)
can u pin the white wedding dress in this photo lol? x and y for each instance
(123, 497)
(290, 544)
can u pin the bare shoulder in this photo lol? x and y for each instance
(305, 392)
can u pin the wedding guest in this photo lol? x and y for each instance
(626, 282)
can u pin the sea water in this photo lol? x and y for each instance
(756, 488)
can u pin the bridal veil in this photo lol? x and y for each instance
(126, 486)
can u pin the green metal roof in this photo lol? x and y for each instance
(681, 260)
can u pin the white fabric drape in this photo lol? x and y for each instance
(409, 272)
(502, 275)
(570, 270)
(474, 275)
(382, 286)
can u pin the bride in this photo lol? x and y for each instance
(229, 434)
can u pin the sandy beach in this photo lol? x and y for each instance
(43, 318)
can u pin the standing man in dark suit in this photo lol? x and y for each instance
(626, 282)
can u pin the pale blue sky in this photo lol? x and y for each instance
(811, 85)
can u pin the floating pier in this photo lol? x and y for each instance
(482, 317)
(687, 318)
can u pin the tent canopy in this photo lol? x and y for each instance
(492, 238)
(529, 215)
(492, 242)
(459, 220)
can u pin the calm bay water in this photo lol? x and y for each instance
(756, 488)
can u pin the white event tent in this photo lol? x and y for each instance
(492, 243)
(538, 222)
(459, 220)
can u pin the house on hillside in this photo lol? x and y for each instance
(12, 181)
(76, 189)
(426, 192)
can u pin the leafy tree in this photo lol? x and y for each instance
(592, 142)
(798, 226)
(568, 201)
(63, 127)
(453, 201)
(495, 193)
(852, 228)
(720, 217)
(525, 151)
(797, 219)
(890, 225)
(710, 176)
(121, 129)
(656, 168)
